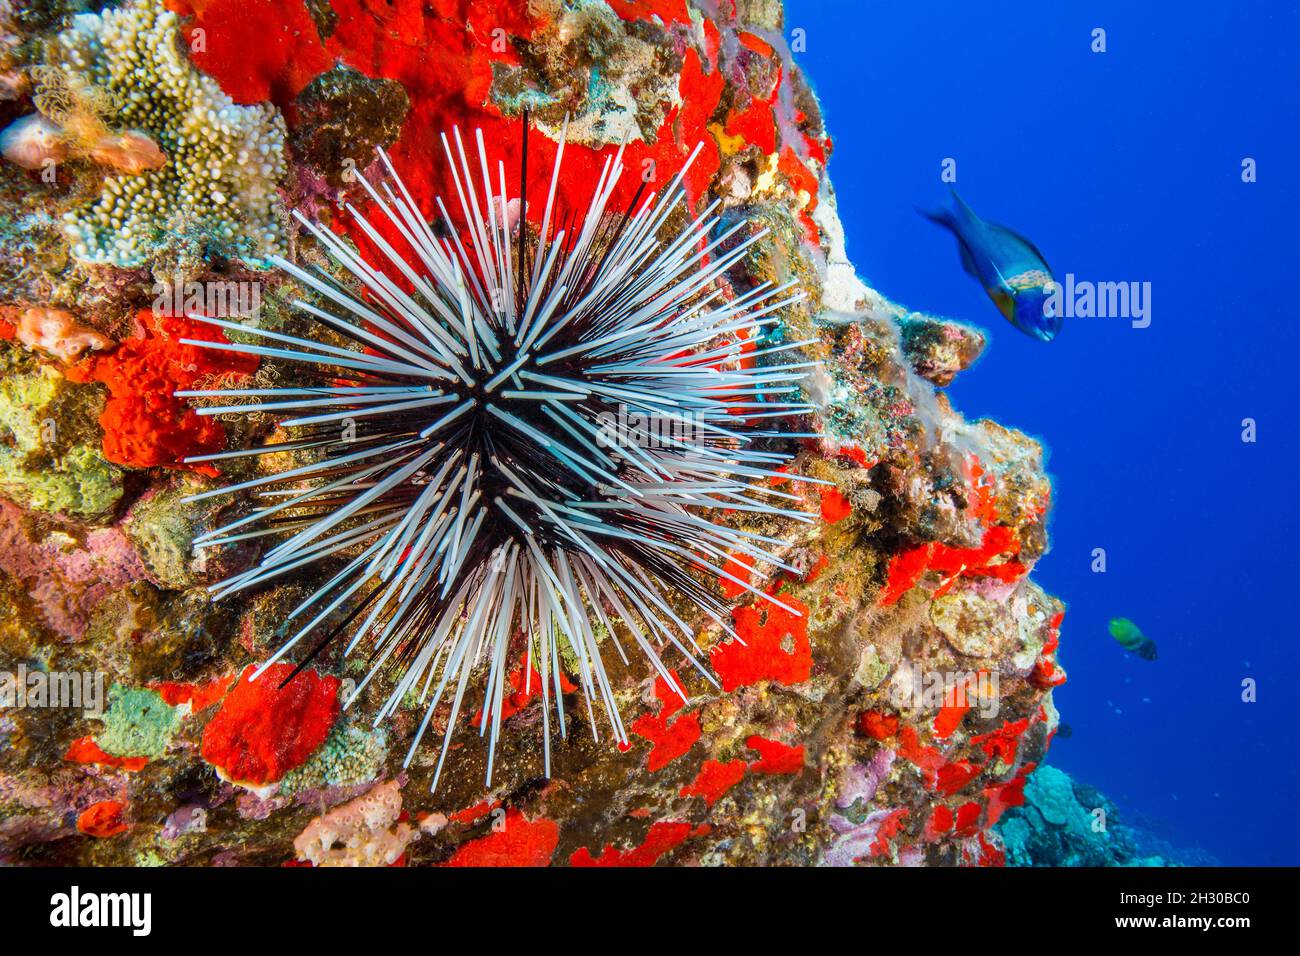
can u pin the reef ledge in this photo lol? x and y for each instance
(894, 720)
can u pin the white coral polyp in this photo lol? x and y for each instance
(224, 160)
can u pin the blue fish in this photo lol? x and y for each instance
(1011, 270)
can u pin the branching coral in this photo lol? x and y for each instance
(224, 160)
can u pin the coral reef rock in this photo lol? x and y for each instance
(1067, 823)
(894, 715)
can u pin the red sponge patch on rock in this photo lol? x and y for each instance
(662, 838)
(144, 424)
(776, 757)
(263, 730)
(670, 738)
(714, 780)
(776, 646)
(520, 842)
(103, 819)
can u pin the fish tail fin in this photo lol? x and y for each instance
(962, 209)
(940, 217)
(949, 220)
(961, 218)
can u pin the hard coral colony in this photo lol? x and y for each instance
(560, 357)
(223, 160)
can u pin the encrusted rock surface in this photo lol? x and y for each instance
(831, 739)
(1064, 822)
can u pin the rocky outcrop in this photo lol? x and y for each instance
(1064, 822)
(893, 720)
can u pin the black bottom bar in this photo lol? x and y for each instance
(383, 906)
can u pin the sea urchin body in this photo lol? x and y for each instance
(529, 447)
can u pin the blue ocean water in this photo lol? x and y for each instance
(1120, 166)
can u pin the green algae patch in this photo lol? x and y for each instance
(50, 458)
(138, 724)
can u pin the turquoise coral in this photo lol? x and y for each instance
(138, 724)
(1067, 823)
(224, 161)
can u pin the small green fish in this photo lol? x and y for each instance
(1131, 638)
(1011, 270)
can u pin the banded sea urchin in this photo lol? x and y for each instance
(541, 425)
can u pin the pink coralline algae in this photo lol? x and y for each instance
(66, 580)
(861, 780)
(870, 838)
